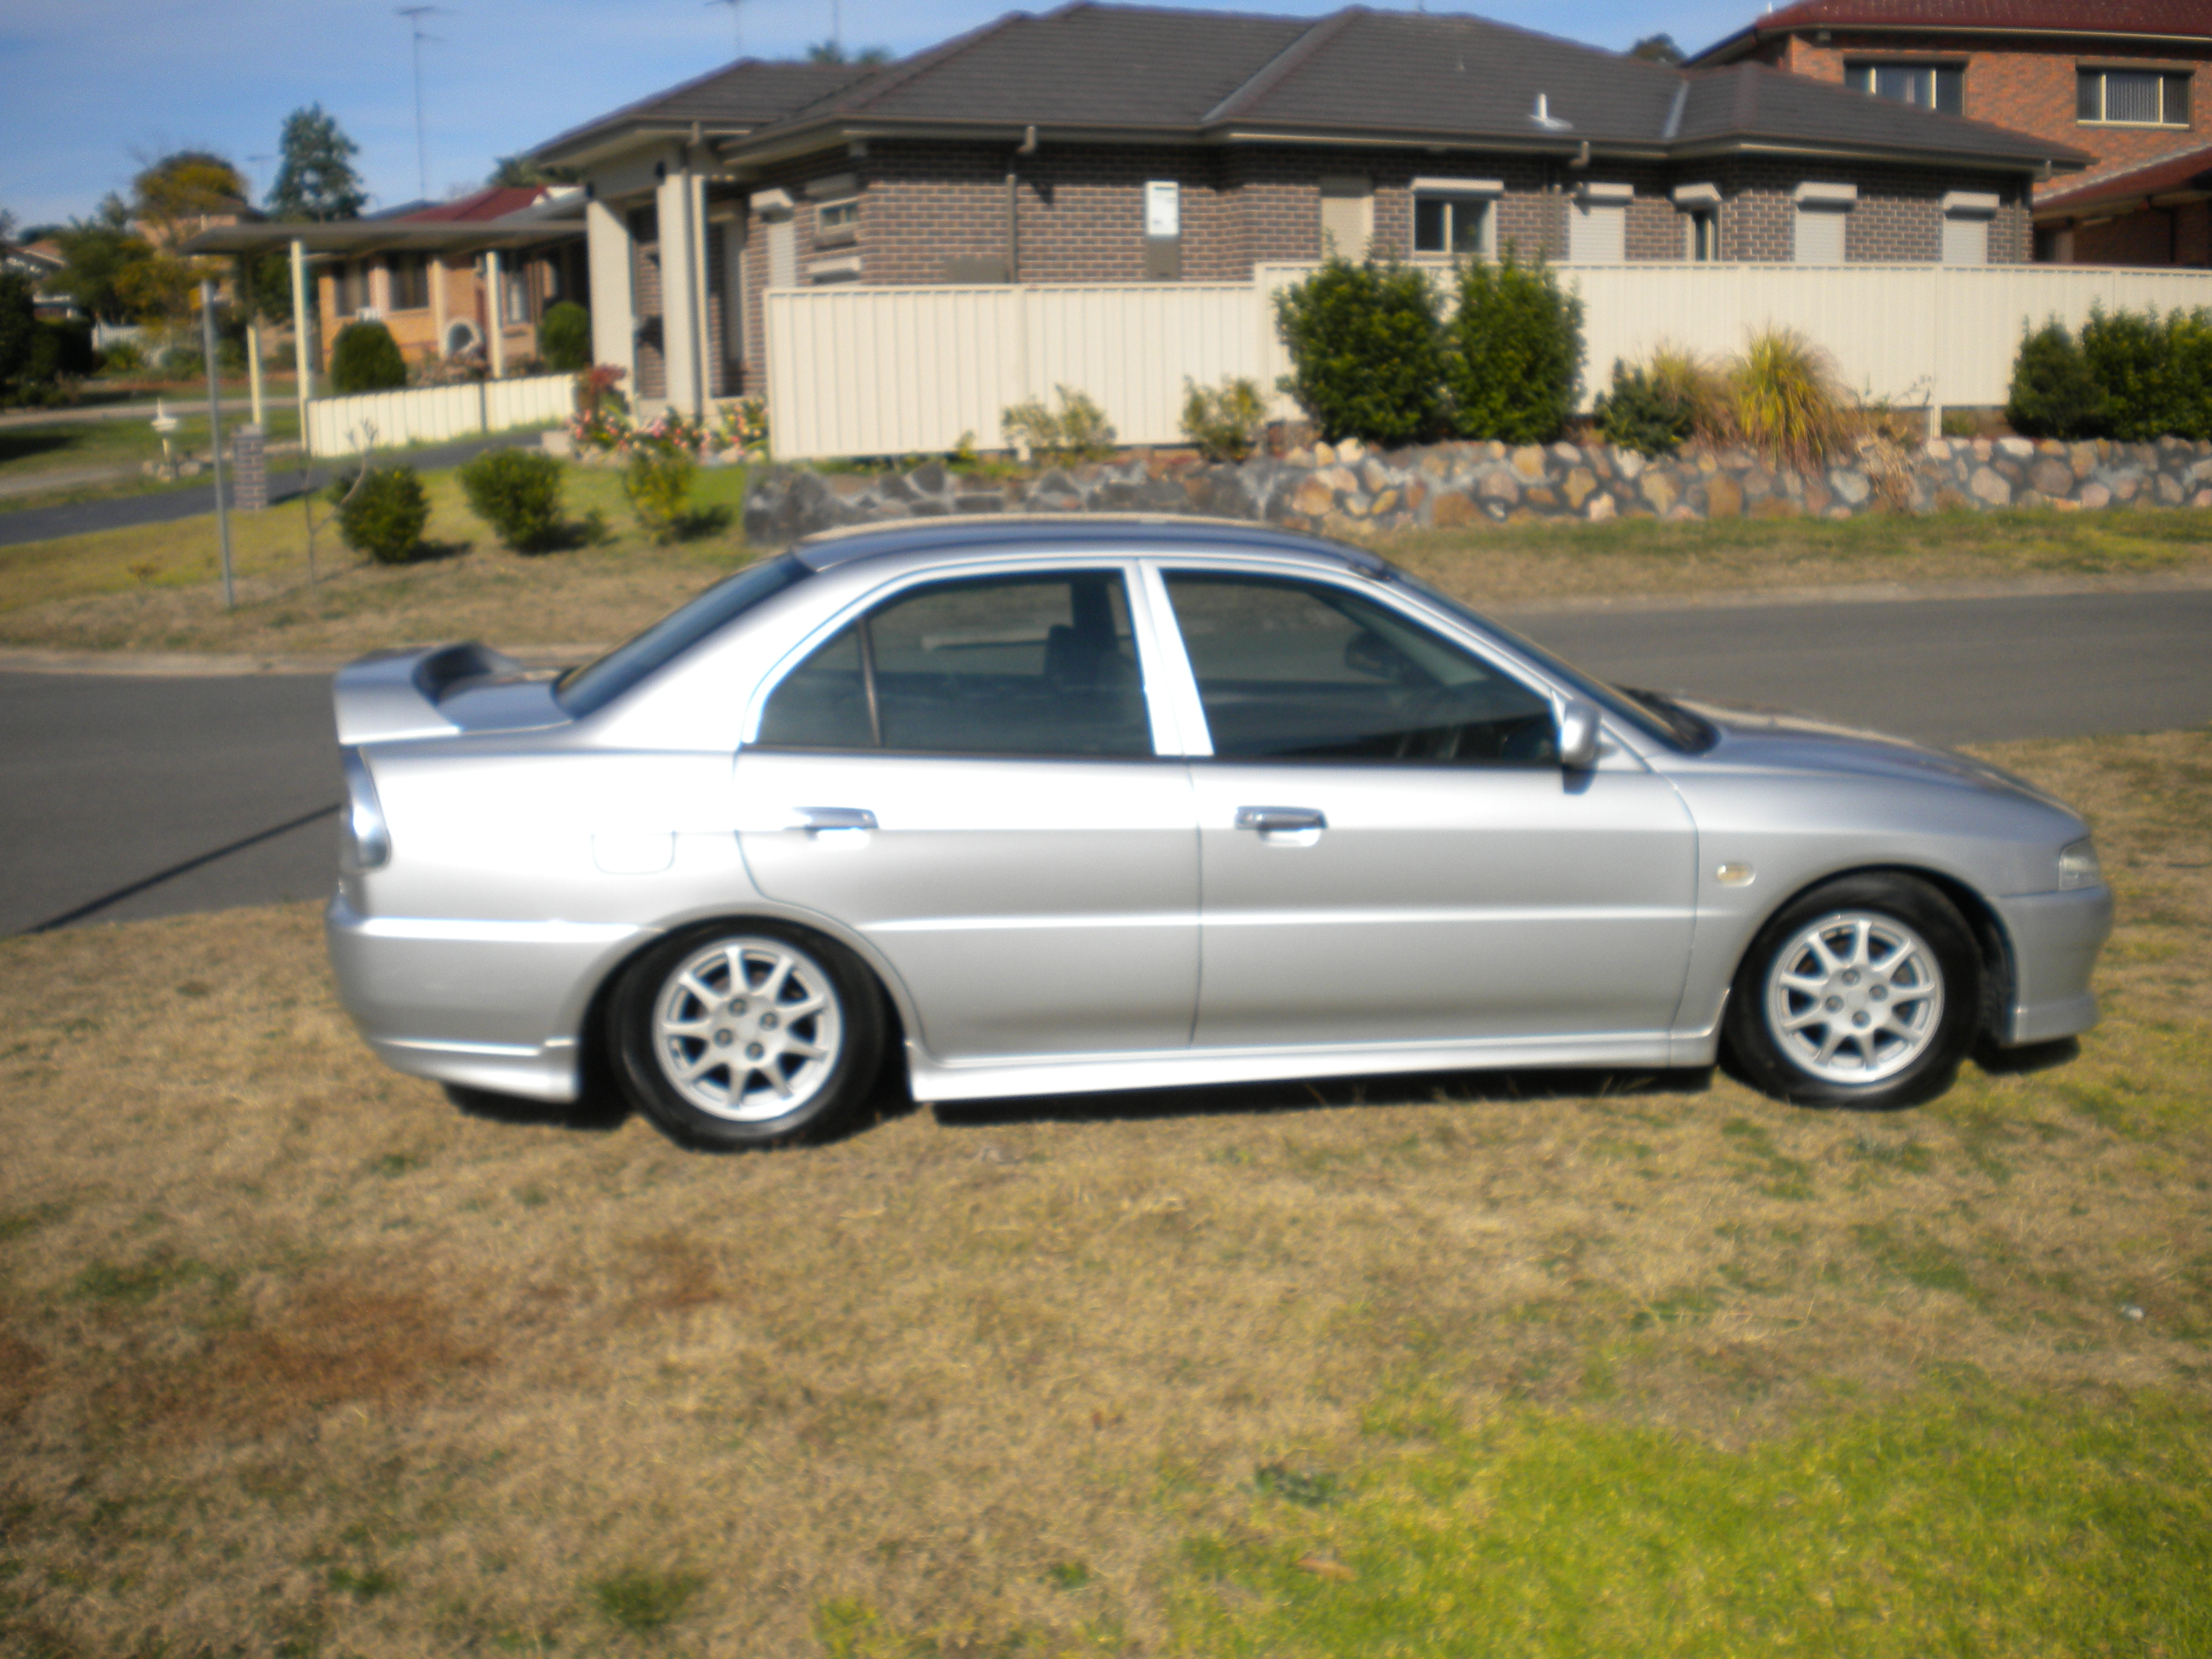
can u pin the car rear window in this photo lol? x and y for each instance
(582, 691)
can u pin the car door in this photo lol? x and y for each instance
(1389, 849)
(966, 774)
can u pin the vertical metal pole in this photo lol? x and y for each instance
(214, 439)
(495, 315)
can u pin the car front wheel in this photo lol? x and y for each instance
(1863, 993)
(746, 1034)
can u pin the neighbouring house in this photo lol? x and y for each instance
(41, 262)
(464, 282)
(442, 297)
(1104, 143)
(2115, 78)
(2159, 213)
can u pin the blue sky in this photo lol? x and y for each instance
(88, 88)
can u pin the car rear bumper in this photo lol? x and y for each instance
(2055, 938)
(487, 1004)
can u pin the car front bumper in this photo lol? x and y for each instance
(2055, 938)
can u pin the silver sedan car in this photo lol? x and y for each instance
(1050, 805)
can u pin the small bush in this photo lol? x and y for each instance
(1641, 415)
(2054, 395)
(657, 482)
(1223, 421)
(122, 357)
(1366, 351)
(564, 338)
(183, 364)
(383, 514)
(1788, 401)
(1079, 432)
(366, 358)
(2126, 353)
(1513, 358)
(518, 493)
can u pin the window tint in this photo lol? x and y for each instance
(1010, 665)
(1299, 670)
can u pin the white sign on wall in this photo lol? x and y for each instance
(1163, 208)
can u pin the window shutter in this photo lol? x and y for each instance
(1347, 216)
(1821, 235)
(1966, 241)
(1597, 232)
(782, 254)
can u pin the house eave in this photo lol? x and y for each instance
(596, 149)
(1700, 149)
(1735, 47)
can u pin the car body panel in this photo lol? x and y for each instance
(1052, 925)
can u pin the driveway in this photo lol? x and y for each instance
(129, 797)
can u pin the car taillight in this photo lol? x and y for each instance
(367, 838)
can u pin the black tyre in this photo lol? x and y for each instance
(745, 1033)
(1866, 992)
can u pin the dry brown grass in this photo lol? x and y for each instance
(297, 1357)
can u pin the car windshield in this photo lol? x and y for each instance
(1655, 716)
(582, 691)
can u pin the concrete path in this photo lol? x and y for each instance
(128, 796)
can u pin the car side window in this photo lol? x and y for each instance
(1029, 665)
(1290, 669)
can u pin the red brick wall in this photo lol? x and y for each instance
(2030, 87)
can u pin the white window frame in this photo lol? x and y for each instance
(1478, 196)
(2163, 76)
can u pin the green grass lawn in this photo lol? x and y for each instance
(31, 452)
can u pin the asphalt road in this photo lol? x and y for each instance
(122, 798)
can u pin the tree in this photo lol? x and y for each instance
(510, 172)
(19, 330)
(98, 250)
(833, 51)
(1656, 49)
(317, 180)
(172, 198)
(7, 224)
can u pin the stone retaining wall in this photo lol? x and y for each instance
(1348, 487)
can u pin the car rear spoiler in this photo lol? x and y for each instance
(395, 694)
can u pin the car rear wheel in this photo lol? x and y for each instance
(745, 1033)
(1862, 993)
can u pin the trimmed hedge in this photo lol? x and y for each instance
(366, 358)
(1366, 351)
(564, 338)
(383, 515)
(518, 493)
(1513, 359)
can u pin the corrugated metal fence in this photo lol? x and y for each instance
(896, 371)
(346, 426)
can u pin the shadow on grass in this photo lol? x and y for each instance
(600, 1111)
(2030, 1057)
(699, 523)
(24, 443)
(1323, 1094)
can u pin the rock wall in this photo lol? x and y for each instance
(1347, 487)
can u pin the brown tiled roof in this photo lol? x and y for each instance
(495, 202)
(2189, 170)
(2161, 19)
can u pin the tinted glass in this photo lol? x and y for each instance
(580, 690)
(1298, 670)
(1010, 665)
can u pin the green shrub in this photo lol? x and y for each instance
(2054, 395)
(657, 482)
(366, 358)
(1640, 414)
(122, 357)
(518, 493)
(1513, 353)
(383, 514)
(1366, 351)
(2128, 357)
(19, 328)
(564, 338)
(1223, 421)
(1079, 432)
(1787, 400)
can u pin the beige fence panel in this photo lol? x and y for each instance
(895, 371)
(345, 426)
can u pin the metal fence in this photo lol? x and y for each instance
(896, 371)
(346, 426)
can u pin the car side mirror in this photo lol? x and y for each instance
(1578, 735)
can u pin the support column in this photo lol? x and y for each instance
(302, 347)
(614, 316)
(683, 285)
(495, 315)
(436, 264)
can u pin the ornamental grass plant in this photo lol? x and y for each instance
(1788, 401)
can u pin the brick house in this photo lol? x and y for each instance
(2159, 213)
(432, 283)
(1103, 144)
(2117, 79)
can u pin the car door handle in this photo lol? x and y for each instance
(815, 819)
(1278, 820)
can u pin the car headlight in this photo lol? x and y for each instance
(367, 839)
(2078, 866)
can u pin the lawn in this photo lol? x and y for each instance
(302, 1358)
(154, 588)
(31, 452)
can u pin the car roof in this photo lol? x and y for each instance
(1118, 532)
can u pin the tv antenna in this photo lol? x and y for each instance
(414, 15)
(737, 26)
